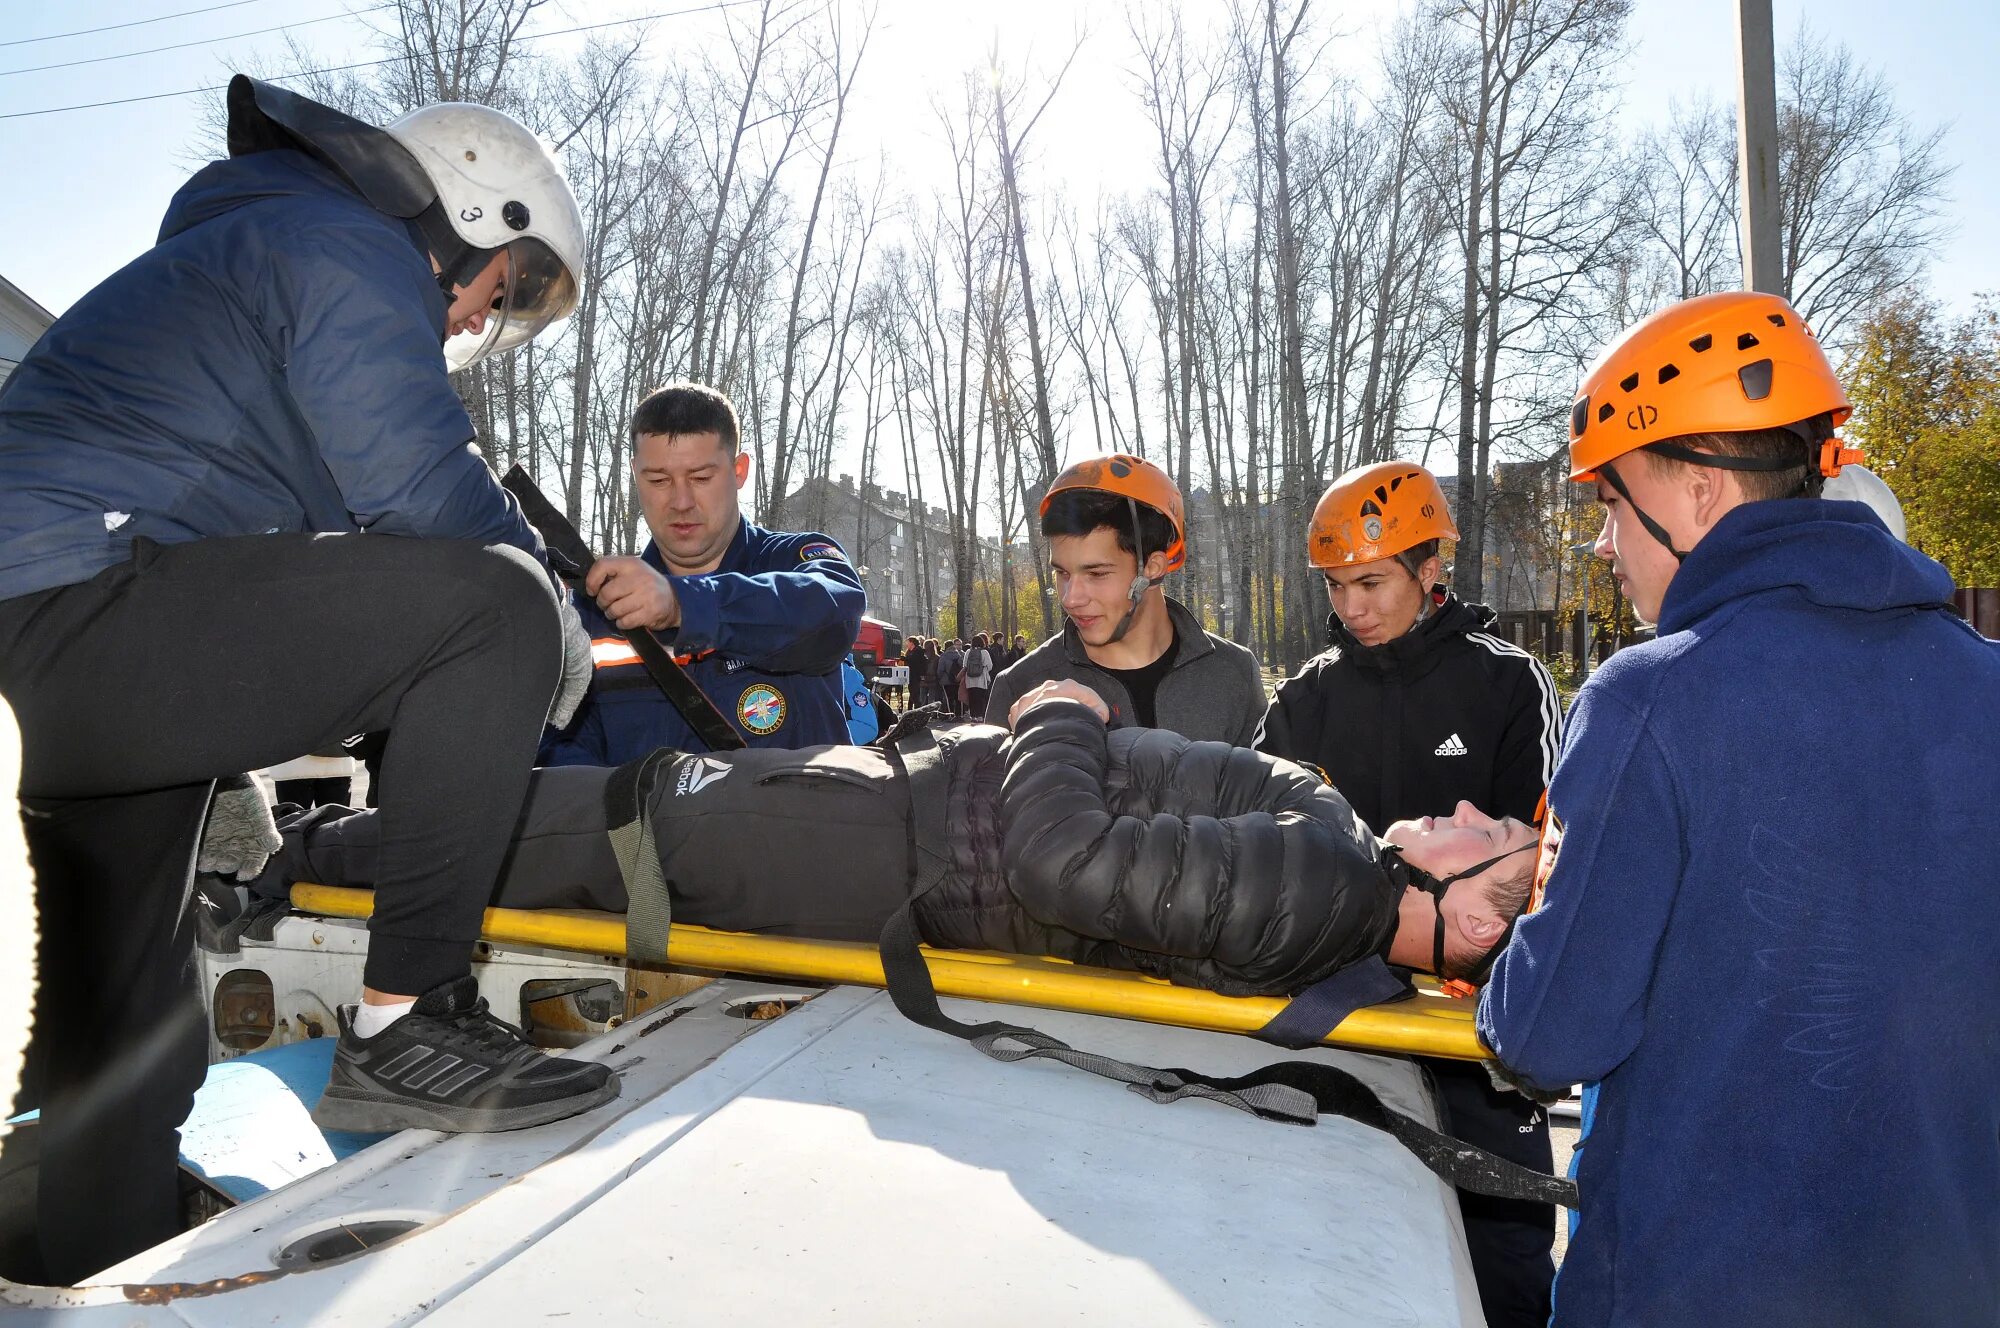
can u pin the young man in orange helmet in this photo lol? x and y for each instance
(1416, 707)
(1116, 529)
(1767, 870)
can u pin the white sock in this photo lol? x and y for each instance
(372, 1019)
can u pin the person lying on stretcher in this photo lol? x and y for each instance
(1209, 865)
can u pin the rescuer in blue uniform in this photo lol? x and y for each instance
(761, 619)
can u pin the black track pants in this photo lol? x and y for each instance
(790, 843)
(1511, 1240)
(136, 689)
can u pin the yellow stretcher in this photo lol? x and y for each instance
(1432, 1024)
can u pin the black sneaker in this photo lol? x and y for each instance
(450, 1065)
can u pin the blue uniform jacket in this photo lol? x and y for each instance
(272, 364)
(766, 633)
(1768, 938)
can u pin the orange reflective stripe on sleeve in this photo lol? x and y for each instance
(608, 652)
(611, 652)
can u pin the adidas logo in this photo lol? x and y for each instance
(698, 774)
(1451, 746)
(428, 1070)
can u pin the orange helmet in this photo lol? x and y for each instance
(1726, 363)
(1377, 512)
(1136, 480)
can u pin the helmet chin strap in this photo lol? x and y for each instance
(1653, 528)
(1696, 457)
(1426, 602)
(1135, 594)
(1436, 887)
(1425, 606)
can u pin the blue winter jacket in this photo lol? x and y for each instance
(763, 636)
(272, 364)
(1768, 936)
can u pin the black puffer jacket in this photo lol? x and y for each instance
(1206, 864)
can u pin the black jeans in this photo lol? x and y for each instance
(134, 691)
(1511, 1240)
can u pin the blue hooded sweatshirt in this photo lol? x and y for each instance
(1768, 937)
(763, 636)
(272, 364)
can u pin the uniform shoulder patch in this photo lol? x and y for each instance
(821, 549)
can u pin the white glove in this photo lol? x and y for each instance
(577, 664)
(241, 835)
(1506, 1081)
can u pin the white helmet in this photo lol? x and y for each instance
(1858, 484)
(500, 187)
(475, 181)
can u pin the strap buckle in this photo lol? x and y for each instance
(1833, 454)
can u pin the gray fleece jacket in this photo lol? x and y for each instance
(1213, 693)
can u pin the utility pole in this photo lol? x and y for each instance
(1757, 147)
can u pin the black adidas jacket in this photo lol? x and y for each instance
(1445, 712)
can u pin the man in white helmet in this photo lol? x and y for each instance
(241, 517)
(1858, 484)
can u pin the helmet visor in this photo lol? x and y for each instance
(538, 290)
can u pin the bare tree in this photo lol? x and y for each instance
(755, 49)
(1186, 97)
(1528, 118)
(1859, 187)
(1331, 265)
(1687, 200)
(844, 76)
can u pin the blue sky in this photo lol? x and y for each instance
(84, 189)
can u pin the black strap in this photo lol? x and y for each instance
(564, 540)
(1309, 1016)
(1292, 1092)
(1653, 528)
(628, 821)
(1694, 456)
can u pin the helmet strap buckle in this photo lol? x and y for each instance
(1833, 454)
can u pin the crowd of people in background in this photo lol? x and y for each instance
(958, 675)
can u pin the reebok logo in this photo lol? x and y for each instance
(1451, 746)
(698, 774)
